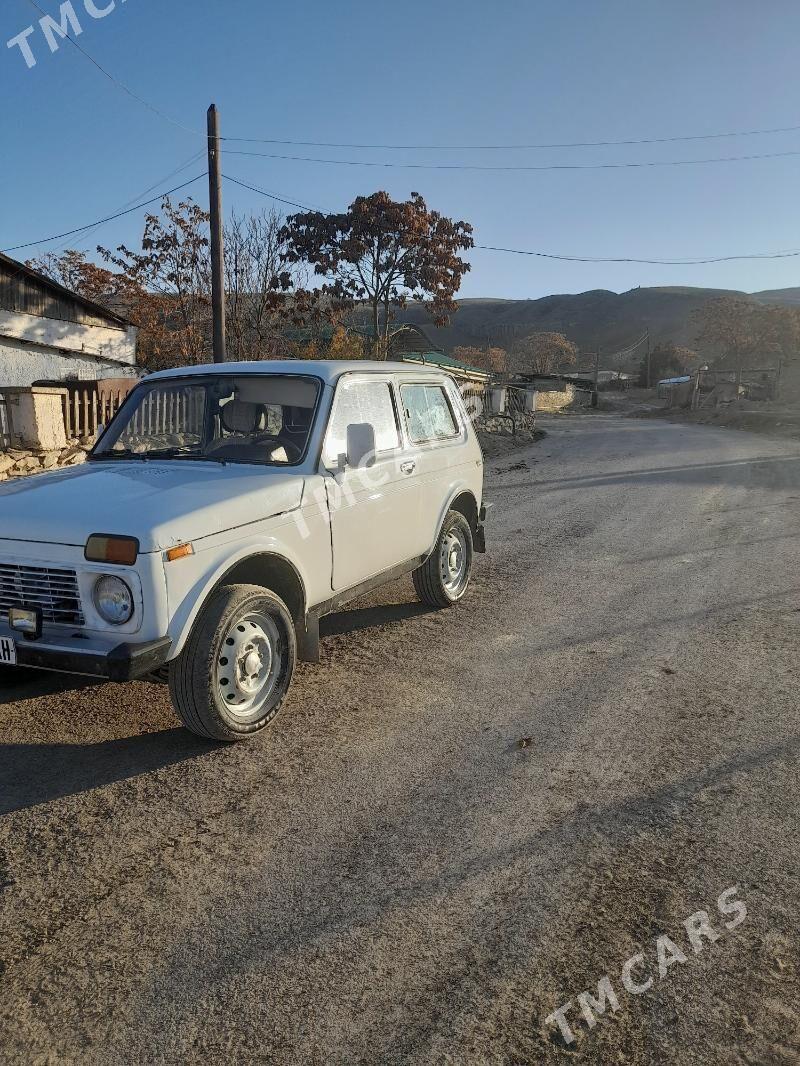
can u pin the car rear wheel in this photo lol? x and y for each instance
(444, 577)
(232, 677)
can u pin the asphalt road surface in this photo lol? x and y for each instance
(461, 821)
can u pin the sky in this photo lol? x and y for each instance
(77, 147)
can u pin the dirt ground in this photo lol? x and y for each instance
(502, 441)
(462, 820)
(770, 418)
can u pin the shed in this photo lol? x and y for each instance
(48, 332)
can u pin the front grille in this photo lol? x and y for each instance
(55, 591)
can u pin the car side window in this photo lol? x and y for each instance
(359, 402)
(429, 416)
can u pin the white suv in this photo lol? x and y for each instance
(223, 511)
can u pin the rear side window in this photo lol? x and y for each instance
(359, 402)
(428, 413)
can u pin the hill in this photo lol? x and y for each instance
(611, 320)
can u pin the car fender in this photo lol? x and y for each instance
(456, 489)
(188, 590)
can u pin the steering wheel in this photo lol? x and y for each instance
(293, 453)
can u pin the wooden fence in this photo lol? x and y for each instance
(179, 410)
(87, 405)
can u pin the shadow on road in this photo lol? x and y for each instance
(31, 774)
(21, 684)
(770, 471)
(369, 618)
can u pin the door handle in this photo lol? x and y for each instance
(408, 467)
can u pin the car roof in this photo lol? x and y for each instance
(327, 369)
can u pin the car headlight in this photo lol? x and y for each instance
(113, 600)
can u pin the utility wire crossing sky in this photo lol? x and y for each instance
(145, 73)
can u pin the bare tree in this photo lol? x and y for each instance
(495, 360)
(542, 353)
(256, 271)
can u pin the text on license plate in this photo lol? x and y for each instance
(8, 652)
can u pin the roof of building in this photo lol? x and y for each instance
(329, 370)
(445, 362)
(402, 338)
(41, 281)
(406, 337)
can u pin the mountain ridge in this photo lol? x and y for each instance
(598, 317)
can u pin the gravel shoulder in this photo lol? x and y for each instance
(462, 820)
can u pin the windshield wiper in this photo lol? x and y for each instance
(125, 453)
(168, 453)
(161, 453)
(182, 453)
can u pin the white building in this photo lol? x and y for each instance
(47, 333)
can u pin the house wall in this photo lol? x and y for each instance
(551, 402)
(108, 342)
(21, 364)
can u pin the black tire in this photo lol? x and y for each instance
(429, 579)
(208, 691)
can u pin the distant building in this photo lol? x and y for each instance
(49, 333)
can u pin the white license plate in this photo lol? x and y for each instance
(8, 652)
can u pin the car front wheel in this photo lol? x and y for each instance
(233, 675)
(444, 577)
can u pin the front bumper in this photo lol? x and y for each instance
(118, 662)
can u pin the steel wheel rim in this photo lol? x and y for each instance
(453, 562)
(247, 671)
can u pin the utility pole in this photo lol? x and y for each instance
(595, 397)
(217, 249)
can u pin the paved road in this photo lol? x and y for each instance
(462, 820)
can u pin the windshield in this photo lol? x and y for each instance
(253, 418)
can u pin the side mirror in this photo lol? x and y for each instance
(360, 444)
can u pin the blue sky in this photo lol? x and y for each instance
(439, 73)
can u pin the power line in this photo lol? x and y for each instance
(271, 195)
(627, 259)
(62, 246)
(394, 147)
(168, 177)
(630, 348)
(517, 147)
(110, 218)
(121, 85)
(507, 167)
(568, 258)
(787, 254)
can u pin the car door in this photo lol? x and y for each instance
(374, 509)
(437, 440)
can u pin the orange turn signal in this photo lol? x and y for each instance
(109, 548)
(180, 552)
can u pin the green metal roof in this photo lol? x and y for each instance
(446, 362)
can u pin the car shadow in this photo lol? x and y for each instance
(18, 684)
(31, 774)
(334, 625)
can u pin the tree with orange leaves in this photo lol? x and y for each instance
(383, 253)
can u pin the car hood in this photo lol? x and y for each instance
(162, 503)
